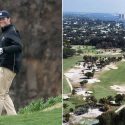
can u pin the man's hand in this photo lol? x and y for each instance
(1, 51)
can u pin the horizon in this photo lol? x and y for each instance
(95, 6)
(91, 12)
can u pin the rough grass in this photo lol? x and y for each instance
(53, 117)
(37, 113)
(40, 104)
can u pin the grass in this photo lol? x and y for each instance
(40, 104)
(70, 62)
(109, 78)
(66, 88)
(53, 117)
(67, 64)
(74, 100)
(85, 49)
(34, 114)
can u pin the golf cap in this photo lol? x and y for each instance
(4, 14)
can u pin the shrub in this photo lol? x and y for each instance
(73, 92)
(71, 109)
(82, 83)
(119, 98)
(108, 118)
(40, 104)
(104, 108)
(66, 117)
(65, 105)
(79, 51)
(103, 100)
(89, 74)
(67, 52)
(81, 110)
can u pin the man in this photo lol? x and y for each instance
(10, 58)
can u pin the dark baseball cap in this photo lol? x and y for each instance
(4, 14)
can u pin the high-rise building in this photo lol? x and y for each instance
(122, 16)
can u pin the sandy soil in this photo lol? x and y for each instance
(118, 88)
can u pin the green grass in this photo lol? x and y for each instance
(53, 117)
(70, 62)
(67, 64)
(85, 49)
(109, 78)
(33, 114)
(74, 100)
(66, 88)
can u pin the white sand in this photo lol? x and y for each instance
(109, 67)
(93, 113)
(93, 80)
(83, 92)
(65, 96)
(123, 60)
(118, 88)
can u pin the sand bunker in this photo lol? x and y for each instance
(92, 113)
(109, 67)
(118, 88)
(123, 60)
(94, 80)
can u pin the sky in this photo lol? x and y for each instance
(101, 6)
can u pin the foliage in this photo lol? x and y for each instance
(79, 51)
(74, 101)
(111, 118)
(119, 98)
(40, 105)
(89, 74)
(65, 105)
(66, 117)
(82, 83)
(91, 99)
(73, 92)
(103, 100)
(68, 52)
(112, 37)
(81, 110)
(107, 118)
(104, 108)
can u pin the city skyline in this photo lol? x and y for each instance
(95, 6)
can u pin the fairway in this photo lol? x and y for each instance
(109, 78)
(70, 62)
